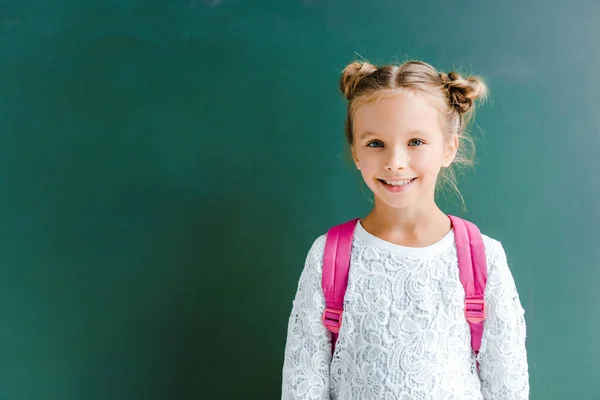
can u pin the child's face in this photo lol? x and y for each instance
(401, 138)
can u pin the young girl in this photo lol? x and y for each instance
(404, 334)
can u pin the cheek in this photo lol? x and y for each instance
(370, 162)
(365, 158)
(428, 162)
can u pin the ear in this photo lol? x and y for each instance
(355, 157)
(450, 151)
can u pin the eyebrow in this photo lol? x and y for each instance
(367, 134)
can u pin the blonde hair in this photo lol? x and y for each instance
(454, 96)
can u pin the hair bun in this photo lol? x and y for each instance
(462, 92)
(352, 75)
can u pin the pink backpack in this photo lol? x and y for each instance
(471, 265)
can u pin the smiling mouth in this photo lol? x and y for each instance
(397, 185)
(397, 182)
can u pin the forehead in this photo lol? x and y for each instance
(403, 113)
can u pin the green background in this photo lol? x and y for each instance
(165, 166)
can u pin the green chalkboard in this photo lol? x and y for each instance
(165, 166)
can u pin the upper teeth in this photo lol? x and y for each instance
(399, 183)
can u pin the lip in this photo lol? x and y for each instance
(395, 179)
(396, 189)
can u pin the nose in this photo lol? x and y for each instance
(396, 159)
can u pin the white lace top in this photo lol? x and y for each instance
(404, 334)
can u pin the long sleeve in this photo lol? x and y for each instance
(308, 345)
(503, 357)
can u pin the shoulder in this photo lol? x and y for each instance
(493, 249)
(313, 264)
(501, 290)
(497, 264)
(314, 258)
(317, 248)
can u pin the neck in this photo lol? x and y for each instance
(416, 226)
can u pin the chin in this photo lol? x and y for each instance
(397, 203)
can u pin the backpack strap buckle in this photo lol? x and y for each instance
(475, 310)
(332, 319)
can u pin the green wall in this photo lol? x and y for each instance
(165, 166)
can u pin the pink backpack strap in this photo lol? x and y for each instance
(472, 268)
(334, 280)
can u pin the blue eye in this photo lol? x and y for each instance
(375, 144)
(415, 143)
